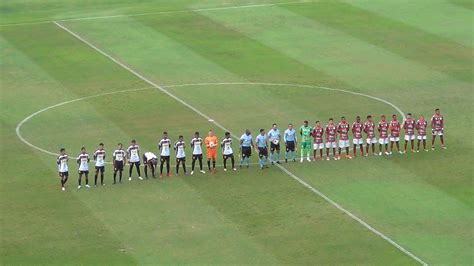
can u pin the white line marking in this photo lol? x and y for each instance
(314, 190)
(18, 127)
(157, 13)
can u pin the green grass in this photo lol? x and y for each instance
(422, 201)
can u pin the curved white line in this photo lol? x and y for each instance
(18, 127)
(290, 85)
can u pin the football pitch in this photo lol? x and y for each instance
(77, 73)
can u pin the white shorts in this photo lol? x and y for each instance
(421, 137)
(357, 141)
(318, 146)
(409, 137)
(394, 139)
(383, 141)
(343, 143)
(437, 132)
(331, 144)
(371, 141)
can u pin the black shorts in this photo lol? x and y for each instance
(100, 169)
(151, 162)
(274, 146)
(164, 159)
(228, 156)
(86, 172)
(64, 174)
(118, 166)
(290, 146)
(262, 152)
(137, 164)
(246, 152)
(197, 157)
(178, 160)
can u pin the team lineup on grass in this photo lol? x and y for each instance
(315, 138)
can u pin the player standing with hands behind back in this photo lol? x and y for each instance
(63, 168)
(99, 157)
(437, 126)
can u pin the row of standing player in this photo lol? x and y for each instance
(150, 160)
(388, 132)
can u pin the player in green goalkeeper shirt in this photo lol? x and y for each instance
(305, 133)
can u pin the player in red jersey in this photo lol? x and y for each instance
(409, 127)
(318, 143)
(343, 130)
(369, 129)
(420, 126)
(383, 135)
(357, 128)
(437, 127)
(330, 132)
(395, 134)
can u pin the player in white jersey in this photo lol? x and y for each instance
(63, 168)
(227, 151)
(118, 160)
(179, 147)
(99, 158)
(83, 160)
(196, 145)
(150, 160)
(133, 153)
(164, 146)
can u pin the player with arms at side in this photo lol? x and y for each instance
(437, 127)
(164, 146)
(150, 161)
(246, 146)
(305, 133)
(330, 132)
(99, 158)
(409, 127)
(395, 134)
(63, 168)
(211, 146)
(180, 147)
(383, 135)
(196, 145)
(227, 152)
(83, 160)
(262, 146)
(318, 143)
(290, 139)
(369, 129)
(274, 136)
(343, 130)
(118, 160)
(357, 128)
(420, 126)
(133, 153)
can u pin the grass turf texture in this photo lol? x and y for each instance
(422, 201)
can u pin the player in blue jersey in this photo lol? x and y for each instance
(246, 146)
(290, 143)
(274, 137)
(262, 146)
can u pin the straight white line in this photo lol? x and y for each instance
(157, 13)
(317, 192)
